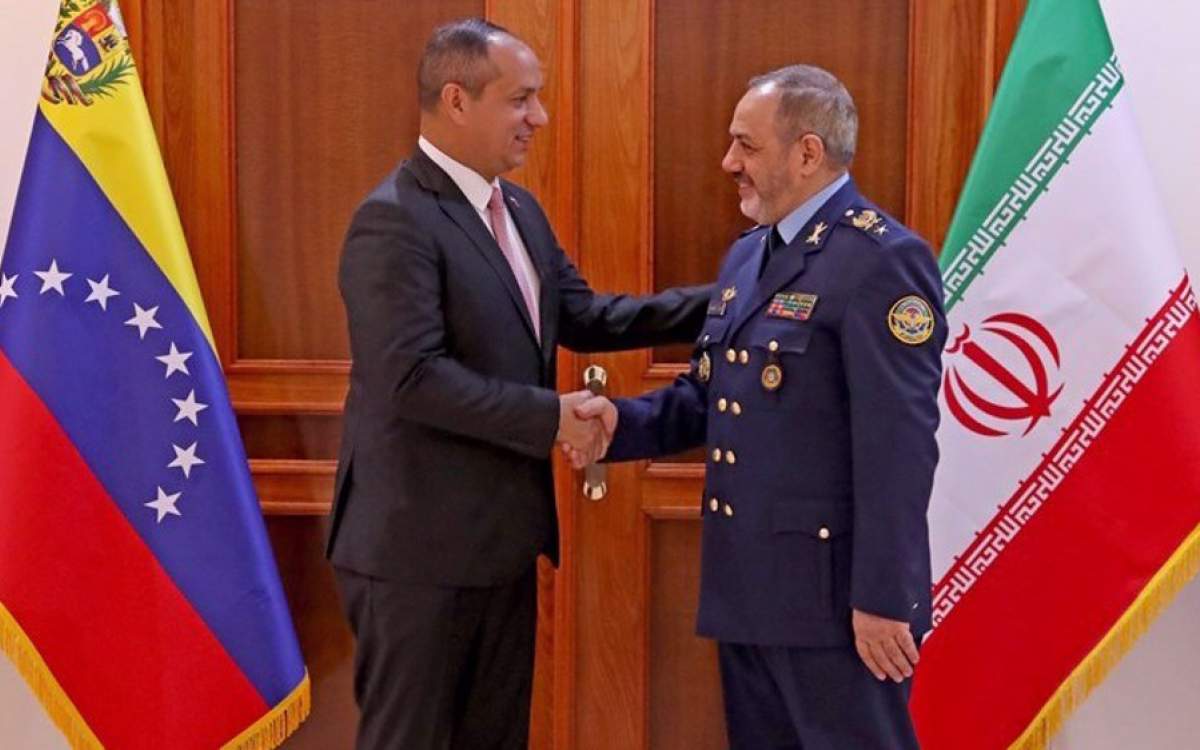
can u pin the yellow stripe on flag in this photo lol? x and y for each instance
(115, 140)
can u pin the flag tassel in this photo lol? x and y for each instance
(267, 733)
(1153, 599)
(29, 663)
(271, 730)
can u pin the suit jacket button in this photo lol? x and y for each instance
(714, 505)
(736, 408)
(729, 510)
(823, 533)
(717, 455)
(743, 356)
(722, 404)
(730, 356)
(730, 458)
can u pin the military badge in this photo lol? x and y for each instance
(772, 377)
(818, 230)
(911, 320)
(792, 306)
(866, 219)
(90, 58)
(704, 368)
(727, 295)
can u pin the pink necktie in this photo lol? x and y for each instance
(495, 207)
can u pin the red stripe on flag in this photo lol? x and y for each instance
(1063, 582)
(136, 660)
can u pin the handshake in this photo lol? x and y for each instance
(586, 424)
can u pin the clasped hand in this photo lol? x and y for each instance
(586, 424)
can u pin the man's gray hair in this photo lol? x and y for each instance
(813, 100)
(457, 52)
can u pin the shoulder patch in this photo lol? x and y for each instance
(911, 320)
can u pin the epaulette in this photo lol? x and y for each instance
(867, 220)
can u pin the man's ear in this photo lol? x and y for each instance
(454, 98)
(812, 153)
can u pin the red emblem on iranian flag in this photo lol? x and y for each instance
(1026, 388)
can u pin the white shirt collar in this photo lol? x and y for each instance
(470, 182)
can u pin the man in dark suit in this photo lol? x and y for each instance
(457, 296)
(814, 384)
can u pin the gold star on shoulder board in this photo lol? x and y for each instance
(818, 230)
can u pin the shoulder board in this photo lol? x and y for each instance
(868, 221)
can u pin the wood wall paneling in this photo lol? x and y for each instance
(326, 105)
(614, 181)
(686, 712)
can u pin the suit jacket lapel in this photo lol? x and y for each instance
(456, 206)
(792, 259)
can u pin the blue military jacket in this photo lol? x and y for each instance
(814, 389)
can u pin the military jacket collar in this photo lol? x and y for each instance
(792, 258)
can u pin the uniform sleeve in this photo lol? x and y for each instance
(390, 280)
(893, 369)
(662, 422)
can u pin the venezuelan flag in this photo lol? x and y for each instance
(138, 592)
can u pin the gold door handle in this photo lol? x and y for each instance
(595, 486)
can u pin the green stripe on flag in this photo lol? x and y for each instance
(1060, 76)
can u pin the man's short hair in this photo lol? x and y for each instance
(813, 100)
(457, 52)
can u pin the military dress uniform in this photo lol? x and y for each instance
(814, 387)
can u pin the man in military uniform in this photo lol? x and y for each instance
(814, 384)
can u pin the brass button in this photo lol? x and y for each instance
(730, 458)
(729, 510)
(730, 355)
(736, 408)
(714, 505)
(743, 356)
(717, 455)
(722, 404)
(823, 533)
(773, 346)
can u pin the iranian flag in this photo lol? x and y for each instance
(1066, 505)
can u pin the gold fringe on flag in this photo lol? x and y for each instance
(31, 666)
(1153, 599)
(271, 730)
(267, 733)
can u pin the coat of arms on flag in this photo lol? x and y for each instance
(1066, 505)
(138, 591)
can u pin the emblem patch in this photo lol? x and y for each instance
(911, 320)
(772, 377)
(704, 368)
(792, 306)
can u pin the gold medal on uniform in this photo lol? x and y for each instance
(704, 369)
(772, 376)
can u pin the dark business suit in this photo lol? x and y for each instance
(444, 495)
(814, 387)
